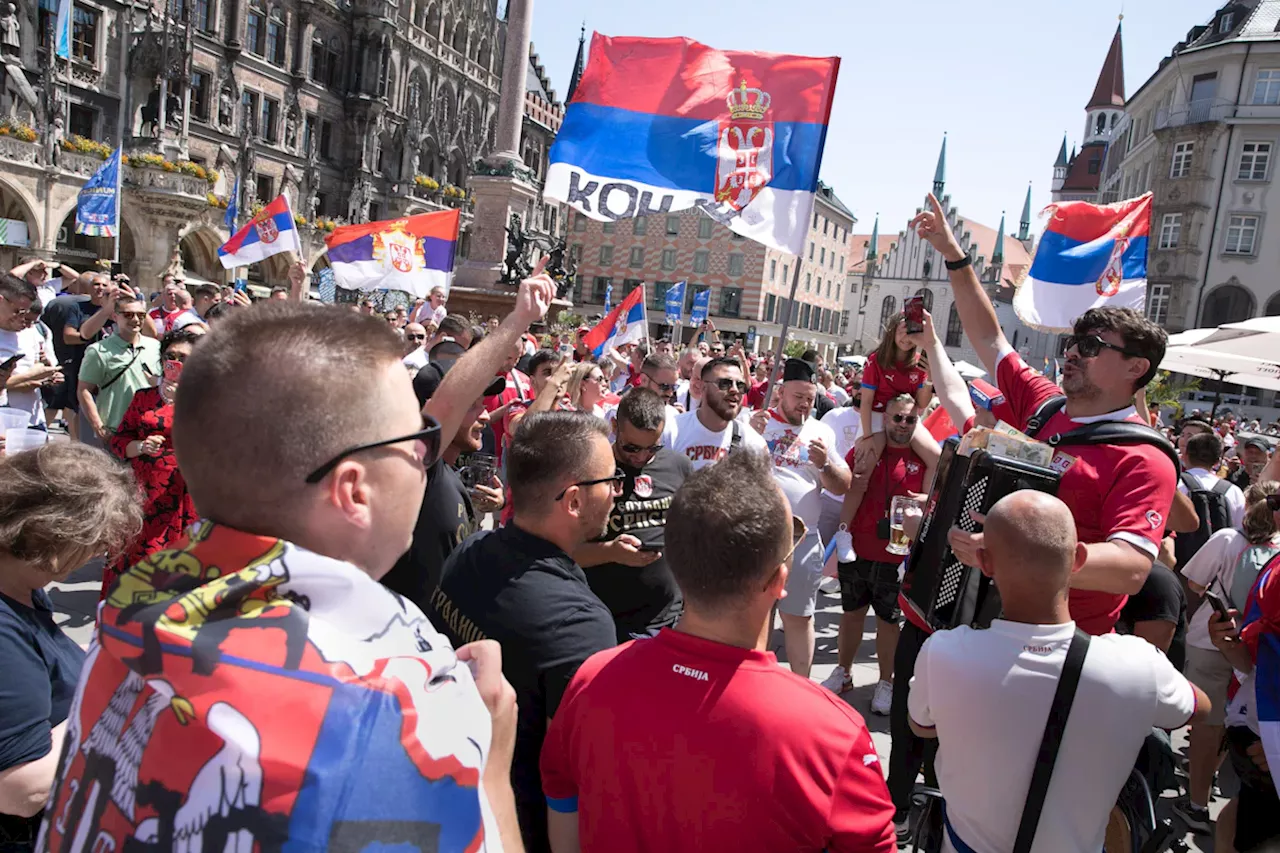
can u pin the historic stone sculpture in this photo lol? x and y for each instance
(10, 31)
(56, 135)
(227, 107)
(561, 266)
(514, 267)
(361, 198)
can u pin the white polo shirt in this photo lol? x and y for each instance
(1207, 480)
(988, 695)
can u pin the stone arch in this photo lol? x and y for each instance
(429, 162)
(1226, 303)
(446, 33)
(1273, 306)
(433, 19)
(459, 41)
(199, 250)
(457, 168)
(16, 203)
(484, 55)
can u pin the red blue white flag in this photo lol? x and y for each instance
(663, 125)
(623, 325)
(1090, 256)
(270, 232)
(413, 254)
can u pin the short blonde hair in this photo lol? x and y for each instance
(63, 499)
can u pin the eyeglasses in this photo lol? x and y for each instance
(428, 435)
(615, 480)
(636, 449)
(909, 420)
(665, 387)
(726, 385)
(798, 532)
(135, 315)
(416, 337)
(1090, 345)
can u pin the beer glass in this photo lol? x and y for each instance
(899, 542)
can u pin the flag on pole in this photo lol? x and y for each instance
(624, 324)
(701, 304)
(97, 210)
(675, 302)
(233, 208)
(1090, 256)
(414, 254)
(62, 30)
(658, 125)
(268, 233)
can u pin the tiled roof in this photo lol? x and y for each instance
(1078, 177)
(1109, 91)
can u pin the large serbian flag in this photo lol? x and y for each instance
(413, 254)
(268, 233)
(1089, 256)
(623, 325)
(661, 125)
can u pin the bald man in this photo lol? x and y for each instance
(985, 695)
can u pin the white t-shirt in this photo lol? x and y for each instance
(846, 423)
(988, 694)
(1216, 558)
(49, 291)
(1207, 480)
(416, 359)
(703, 446)
(186, 318)
(609, 414)
(799, 478)
(838, 394)
(36, 345)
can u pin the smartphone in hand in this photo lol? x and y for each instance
(1219, 606)
(913, 311)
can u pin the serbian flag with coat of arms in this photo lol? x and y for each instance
(662, 125)
(1090, 256)
(270, 232)
(413, 254)
(623, 325)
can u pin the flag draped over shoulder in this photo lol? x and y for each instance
(414, 254)
(1090, 256)
(661, 125)
(623, 325)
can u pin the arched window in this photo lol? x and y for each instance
(433, 20)
(926, 294)
(954, 328)
(1102, 122)
(483, 56)
(460, 38)
(1114, 116)
(1228, 303)
(1273, 306)
(888, 308)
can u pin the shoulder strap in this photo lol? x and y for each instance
(1041, 416)
(1222, 486)
(112, 381)
(1119, 432)
(1186, 480)
(1054, 728)
(736, 438)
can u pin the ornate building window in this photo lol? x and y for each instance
(954, 328)
(277, 34)
(433, 20)
(888, 308)
(255, 31)
(927, 295)
(84, 34)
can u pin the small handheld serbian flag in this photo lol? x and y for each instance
(623, 325)
(413, 254)
(1089, 256)
(268, 233)
(658, 125)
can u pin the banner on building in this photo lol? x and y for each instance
(98, 205)
(675, 302)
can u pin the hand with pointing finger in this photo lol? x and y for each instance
(932, 226)
(534, 297)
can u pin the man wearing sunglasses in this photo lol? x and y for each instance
(520, 586)
(702, 707)
(1119, 494)
(305, 450)
(709, 432)
(115, 367)
(626, 567)
(415, 338)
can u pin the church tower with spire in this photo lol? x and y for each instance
(578, 64)
(940, 173)
(1078, 176)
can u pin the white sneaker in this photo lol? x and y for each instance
(831, 586)
(882, 701)
(844, 546)
(838, 681)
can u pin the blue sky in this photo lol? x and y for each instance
(1004, 79)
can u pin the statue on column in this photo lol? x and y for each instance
(313, 183)
(10, 32)
(514, 267)
(227, 106)
(361, 198)
(56, 135)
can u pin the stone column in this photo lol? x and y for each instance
(515, 70)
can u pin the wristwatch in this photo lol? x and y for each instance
(960, 264)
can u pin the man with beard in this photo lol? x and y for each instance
(1119, 494)
(706, 434)
(519, 586)
(626, 568)
(804, 463)
(77, 320)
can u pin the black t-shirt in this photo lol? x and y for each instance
(41, 666)
(1160, 600)
(446, 518)
(69, 311)
(530, 596)
(635, 595)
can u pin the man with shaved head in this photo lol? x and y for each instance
(985, 695)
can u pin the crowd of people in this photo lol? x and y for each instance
(414, 577)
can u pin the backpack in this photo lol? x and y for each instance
(1211, 506)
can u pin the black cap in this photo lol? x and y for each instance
(1256, 441)
(428, 379)
(797, 369)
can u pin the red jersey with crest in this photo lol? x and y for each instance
(1114, 491)
(898, 471)
(889, 382)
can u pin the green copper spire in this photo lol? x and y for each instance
(940, 174)
(875, 240)
(1024, 224)
(997, 254)
(1061, 162)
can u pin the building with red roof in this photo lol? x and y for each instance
(1077, 176)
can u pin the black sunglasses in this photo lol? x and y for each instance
(616, 480)
(665, 387)
(429, 435)
(635, 448)
(726, 385)
(416, 337)
(1090, 345)
(905, 419)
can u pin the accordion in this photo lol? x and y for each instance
(943, 590)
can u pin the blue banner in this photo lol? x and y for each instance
(701, 304)
(327, 285)
(675, 302)
(98, 204)
(62, 30)
(233, 209)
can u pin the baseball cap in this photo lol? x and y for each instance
(1256, 441)
(428, 379)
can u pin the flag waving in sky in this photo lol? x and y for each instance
(268, 233)
(98, 204)
(661, 125)
(624, 324)
(1089, 256)
(413, 254)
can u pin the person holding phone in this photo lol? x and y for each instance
(26, 350)
(144, 441)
